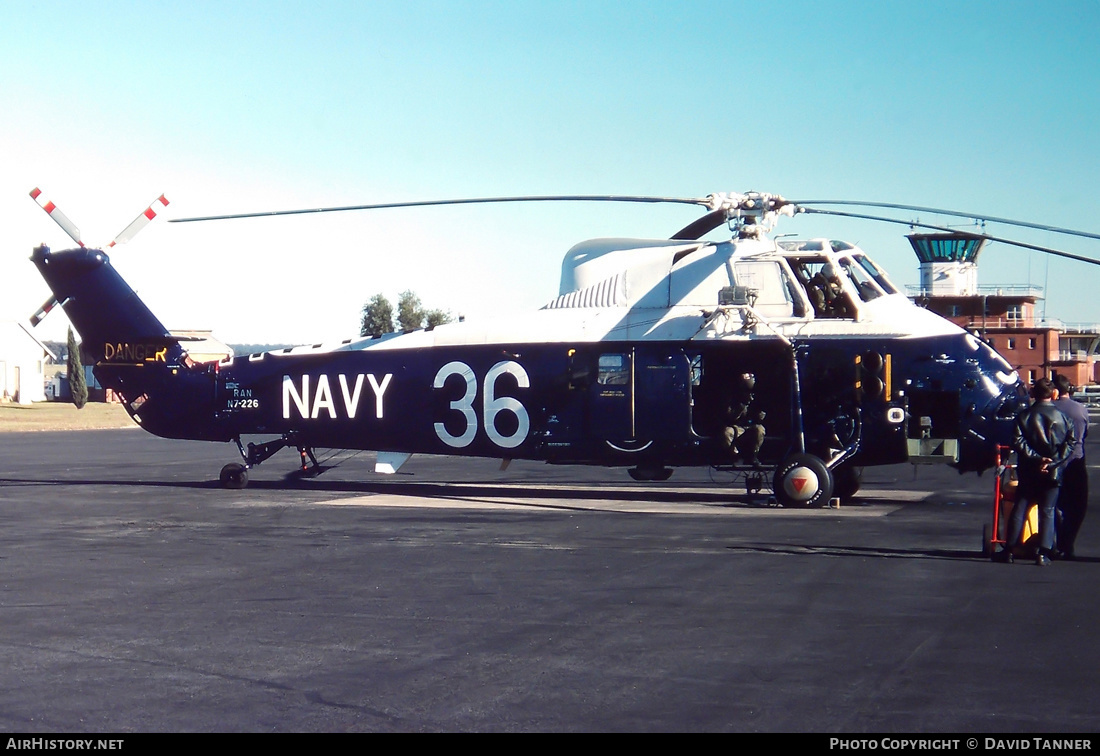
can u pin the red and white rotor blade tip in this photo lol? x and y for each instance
(59, 217)
(141, 221)
(44, 310)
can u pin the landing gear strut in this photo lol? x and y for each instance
(235, 475)
(305, 451)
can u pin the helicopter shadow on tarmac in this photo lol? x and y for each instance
(717, 497)
(547, 498)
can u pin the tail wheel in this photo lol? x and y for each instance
(234, 475)
(803, 480)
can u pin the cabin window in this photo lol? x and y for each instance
(774, 298)
(1011, 343)
(1015, 312)
(1031, 343)
(614, 370)
(696, 369)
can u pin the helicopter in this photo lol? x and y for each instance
(633, 364)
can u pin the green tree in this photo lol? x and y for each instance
(435, 318)
(377, 317)
(78, 387)
(410, 315)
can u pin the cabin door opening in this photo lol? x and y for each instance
(719, 386)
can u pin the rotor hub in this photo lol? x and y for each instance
(753, 214)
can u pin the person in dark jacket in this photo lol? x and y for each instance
(1044, 443)
(1073, 497)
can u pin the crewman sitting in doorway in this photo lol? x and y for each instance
(743, 434)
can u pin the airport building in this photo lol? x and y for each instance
(1004, 316)
(23, 361)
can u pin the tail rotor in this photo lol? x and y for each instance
(71, 229)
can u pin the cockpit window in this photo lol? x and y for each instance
(876, 273)
(867, 289)
(824, 286)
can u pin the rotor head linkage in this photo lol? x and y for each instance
(749, 215)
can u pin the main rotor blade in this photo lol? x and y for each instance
(954, 213)
(475, 201)
(140, 222)
(59, 217)
(987, 237)
(702, 226)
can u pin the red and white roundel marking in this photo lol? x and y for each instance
(801, 484)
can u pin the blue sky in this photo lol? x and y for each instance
(227, 107)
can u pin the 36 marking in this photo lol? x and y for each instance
(492, 405)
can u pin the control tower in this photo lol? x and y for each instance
(1002, 315)
(948, 263)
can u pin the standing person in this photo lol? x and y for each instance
(1073, 499)
(1044, 442)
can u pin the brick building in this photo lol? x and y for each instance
(1004, 316)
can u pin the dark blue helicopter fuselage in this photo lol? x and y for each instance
(643, 403)
(661, 403)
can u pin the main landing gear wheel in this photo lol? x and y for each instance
(803, 480)
(846, 480)
(234, 475)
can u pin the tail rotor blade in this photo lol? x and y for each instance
(140, 222)
(59, 217)
(44, 310)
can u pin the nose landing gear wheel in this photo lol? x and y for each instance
(234, 475)
(803, 480)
